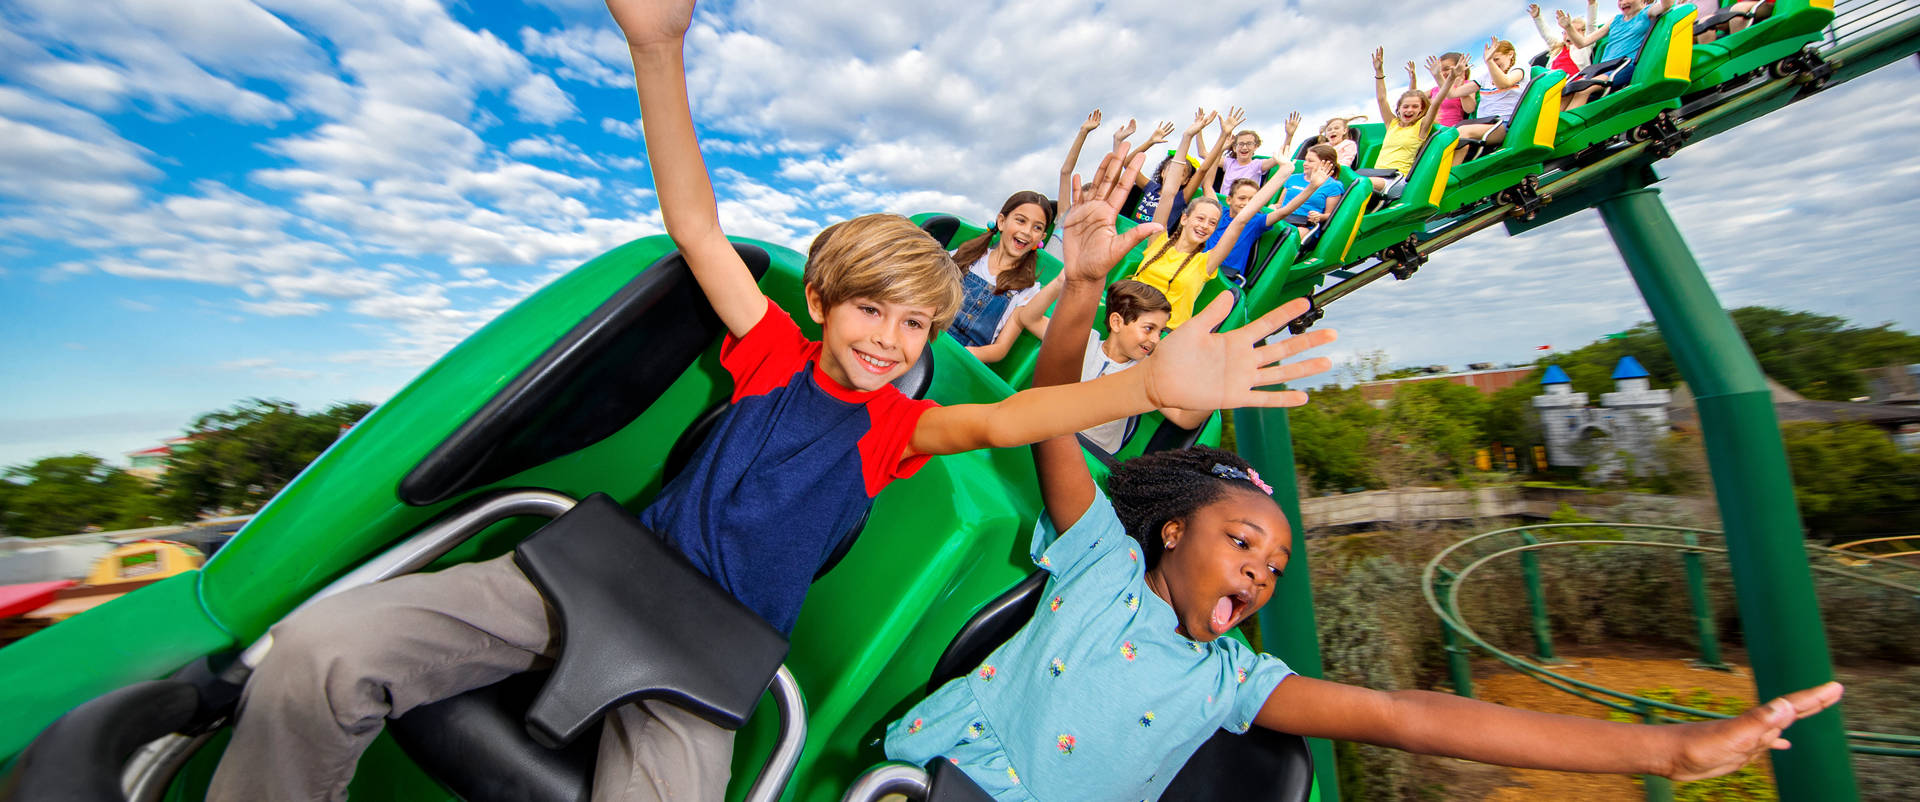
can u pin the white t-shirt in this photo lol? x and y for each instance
(1111, 435)
(1015, 300)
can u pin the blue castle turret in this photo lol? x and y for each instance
(1625, 426)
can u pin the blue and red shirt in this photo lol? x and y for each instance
(787, 472)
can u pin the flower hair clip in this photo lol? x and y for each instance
(1249, 475)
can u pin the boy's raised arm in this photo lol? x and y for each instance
(656, 33)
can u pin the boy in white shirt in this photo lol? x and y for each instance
(1136, 315)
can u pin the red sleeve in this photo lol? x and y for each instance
(893, 418)
(771, 352)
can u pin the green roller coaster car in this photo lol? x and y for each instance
(548, 396)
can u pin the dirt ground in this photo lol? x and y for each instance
(1619, 669)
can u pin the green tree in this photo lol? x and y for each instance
(1818, 356)
(239, 458)
(1850, 480)
(1436, 426)
(69, 494)
(1510, 418)
(1330, 439)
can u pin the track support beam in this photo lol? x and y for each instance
(1779, 614)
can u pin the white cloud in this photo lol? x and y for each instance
(621, 128)
(551, 146)
(538, 99)
(596, 56)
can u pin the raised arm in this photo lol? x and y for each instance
(1501, 79)
(1159, 137)
(1443, 724)
(1546, 34)
(1203, 177)
(1286, 145)
(1448, 77)
(1593, 13)
(1090, 245)
(656, 35)
(1032, 315)
(1232, 234)
(1593, 33)
(1380, 83)
(1657, 7)
(1073, 159)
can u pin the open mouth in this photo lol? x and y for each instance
(1021, 243)
(873, 364)
(1228, 610)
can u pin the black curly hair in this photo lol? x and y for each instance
(1152, 489)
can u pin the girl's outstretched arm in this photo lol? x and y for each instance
(656, 33)
(1443, 724)
(1073, 159)
(1239, 224)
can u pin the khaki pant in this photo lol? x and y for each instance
(340, 668)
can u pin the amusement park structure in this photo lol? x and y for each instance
(598, 387)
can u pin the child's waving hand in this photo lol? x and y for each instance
(1196, 368)
(1712, 748)
(1092, 247)
(647, 22)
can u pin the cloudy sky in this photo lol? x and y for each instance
(207, 200)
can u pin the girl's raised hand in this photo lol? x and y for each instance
(1712, 748)
(1120, 134)
(1561, 17)
(1093, 121)
(1433, 67)
(1379, 61)
(1087, 234)
(1229, 124)
(1196, 368)
(1293, 123)
(1200, 119)
(1413, 75)
(646, 22)
(1533, 10)
(1160, 134)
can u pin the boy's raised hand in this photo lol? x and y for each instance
(1712, 748)
(1087, 234)
(1093, 121)
(647, 22)
(1196, 368)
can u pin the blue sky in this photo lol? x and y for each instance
(208, 200)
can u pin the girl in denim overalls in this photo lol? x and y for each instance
(1000, 280)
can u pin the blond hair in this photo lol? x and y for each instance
(884, 257)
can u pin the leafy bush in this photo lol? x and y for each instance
(1749, 783)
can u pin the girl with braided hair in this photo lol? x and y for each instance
(997, 272)
(1122, 672)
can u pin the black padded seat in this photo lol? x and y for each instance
(592, 382)
(942, 227)
(638, 622)
(79, 757)
(1262, 765)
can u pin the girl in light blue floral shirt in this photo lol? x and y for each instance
(1122, 672)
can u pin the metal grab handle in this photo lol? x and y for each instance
(889, 778)
(793, 737)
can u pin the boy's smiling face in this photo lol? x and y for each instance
(1224, 562)
(865, 343)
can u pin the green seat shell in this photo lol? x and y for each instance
(1660, 75)
(1793, 25)
(1530, 137)
(1418, 201)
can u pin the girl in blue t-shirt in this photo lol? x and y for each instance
(1122, 672)
(1623, 37)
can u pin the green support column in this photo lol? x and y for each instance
(1287, 627)
(1536, 600)
(1702, 610)
(1765, 544)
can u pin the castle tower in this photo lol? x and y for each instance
(1637, 415)
(1563, 413)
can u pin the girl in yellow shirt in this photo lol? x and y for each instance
(1409, 121)
(1178, 262)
